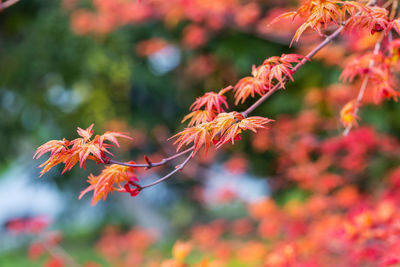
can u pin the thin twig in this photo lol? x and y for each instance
(152, 164)
(245, 113)
(278, 86)
(259, 101)
(162, 179)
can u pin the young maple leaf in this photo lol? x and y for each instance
(69, 160)
(94, 149)
(252, 123)
(53, 161)
(224, 121)
(245, 87)
(384, 82)
(199, 116)
(360, 66)
(53, 146)
(229, 126)
(86, 134)
(292, 58)
(282, 66)
(112, 137)
(199, 135)
(273, 68)
(211, 101)
(77, 150)
(249, 86)
(316, 13)
(109, 180)
(59, 153)
(374, 18)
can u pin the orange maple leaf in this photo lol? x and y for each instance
(53, 146)
(384, 82)
(318, 14)
(109, 180)
(374, 18)
(199, 135)
(228, 126)
(199, 116)
(78, 150)
(360, 66)
(282, 66)
(249, 86)
(112, 137)
(273, 68)
(211, 101)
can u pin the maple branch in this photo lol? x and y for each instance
(152, 164)
(278, 86)
(245, 113)
(162, 179)
(363, 87)
(7, 4)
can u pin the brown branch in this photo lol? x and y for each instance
(278, 86)
(152, 164)
(245, 113)
(162, 179)
(7, 4)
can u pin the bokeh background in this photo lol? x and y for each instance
(60, 70)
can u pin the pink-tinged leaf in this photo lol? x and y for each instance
(112, 137)
(199, 116)
(83, 192)
(109, 180)
(53, 146)
(86, 134)
(211, 101)
(198, 135)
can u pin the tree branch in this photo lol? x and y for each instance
(245, 113)
(162, 179)
(278, 86)
(152, 164)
